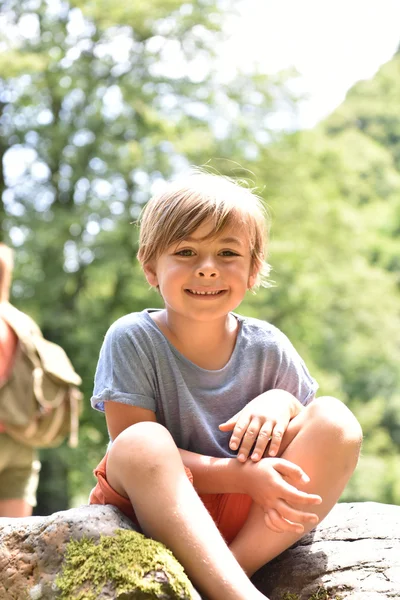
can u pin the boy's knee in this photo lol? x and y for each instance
(143, 442)
(332, 415)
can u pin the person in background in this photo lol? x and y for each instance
(19, 465)
(219, 447)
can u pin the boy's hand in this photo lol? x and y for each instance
(267, 482)
(262, 421)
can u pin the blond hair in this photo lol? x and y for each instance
(184, 205)
(6, 269)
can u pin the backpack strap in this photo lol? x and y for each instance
(24, 327)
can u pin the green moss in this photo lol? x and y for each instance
(120, 563)
(320, 594)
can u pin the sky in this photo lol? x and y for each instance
(331, 43)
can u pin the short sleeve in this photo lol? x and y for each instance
(124, 373)
(293, 375)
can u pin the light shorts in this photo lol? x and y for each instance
(229, 511)
(19, 471)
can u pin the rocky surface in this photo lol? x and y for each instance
(93, 553)
(353, 554)
(88, 553)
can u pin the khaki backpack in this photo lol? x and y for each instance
(40, 401)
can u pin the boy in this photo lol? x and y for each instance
(219, 449)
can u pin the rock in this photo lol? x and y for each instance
(354, 553)
(94, 553)
(88, 553)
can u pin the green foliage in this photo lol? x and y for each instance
(15, 64)
(333, 196)
(372, 108)
(376, 480)
(106, 100)
(86, 95)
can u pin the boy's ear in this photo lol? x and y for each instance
(150, 274)
(252, 280)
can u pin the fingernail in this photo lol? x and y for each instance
(241, 457)
(233, 446)
(305, 478)
(254, 456)
(272, 452)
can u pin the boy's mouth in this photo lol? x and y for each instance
(204, 292)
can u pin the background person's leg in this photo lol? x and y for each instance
(19, 478)
(15, 508)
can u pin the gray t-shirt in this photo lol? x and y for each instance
(140, 367)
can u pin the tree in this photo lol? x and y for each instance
(90, 109)
(100, 102)
(333, 195)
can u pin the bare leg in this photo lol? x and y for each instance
(15, 507)
(324, 440)
(145, 465)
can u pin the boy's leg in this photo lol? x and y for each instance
(145, 465)
(324, 440)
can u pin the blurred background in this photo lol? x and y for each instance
(102, 100)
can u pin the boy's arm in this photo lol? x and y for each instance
(272, 483)
(120, 416)
(212, 475)
(262, 423)
(267, 481)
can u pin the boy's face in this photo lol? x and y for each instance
(204, 278)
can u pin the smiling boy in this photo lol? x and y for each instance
(219, 448)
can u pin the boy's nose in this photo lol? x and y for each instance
(207, 271)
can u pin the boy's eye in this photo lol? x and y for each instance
(185, 252)
(228, 253)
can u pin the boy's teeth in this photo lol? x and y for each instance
(204, 293)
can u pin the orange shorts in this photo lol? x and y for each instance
(229, 511)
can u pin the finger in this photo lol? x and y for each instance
(282, 524)
(249, 438)
(269, 523)
(299, 517)
(238, 432)
(262, 442)
(294, 496)
(276, 439)
(291, 470)
(230, 423)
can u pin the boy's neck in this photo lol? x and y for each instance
(207, 344)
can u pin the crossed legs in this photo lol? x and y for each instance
(145, 466)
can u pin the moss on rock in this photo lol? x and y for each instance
(128, 565)
(320, 594)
